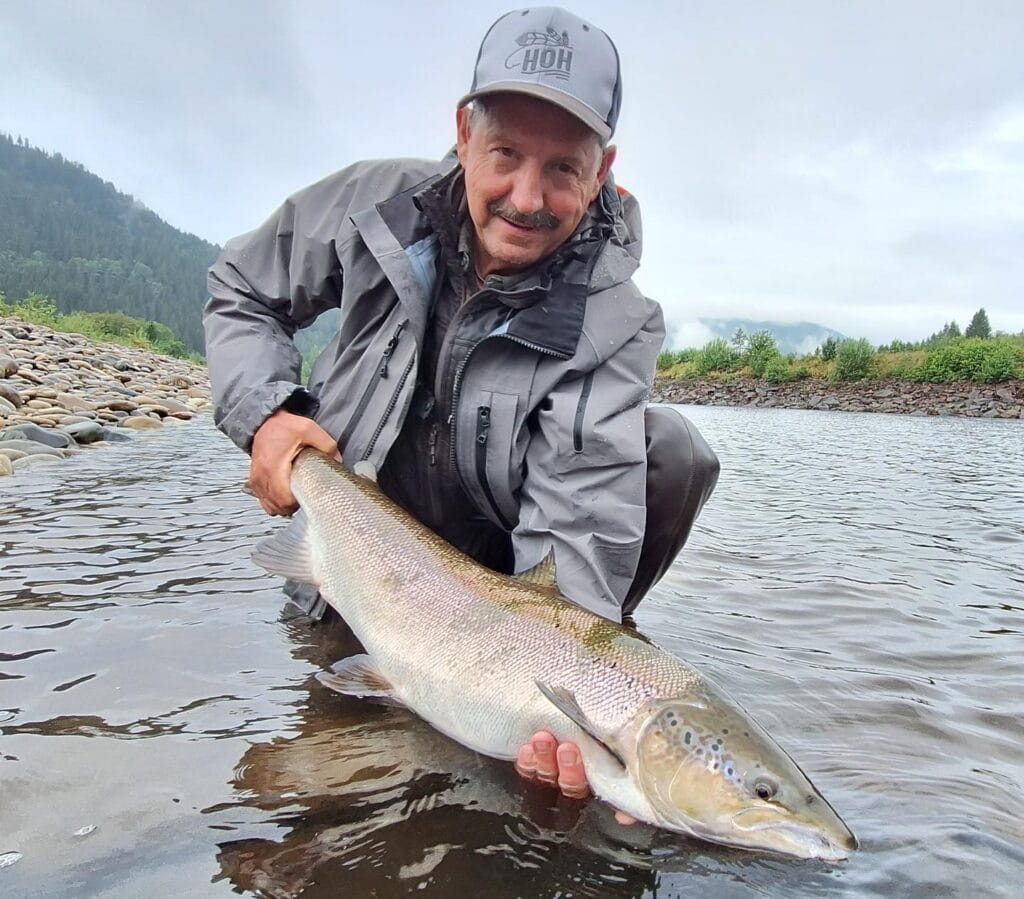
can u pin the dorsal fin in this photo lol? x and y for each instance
(365, 470)
(543, 573)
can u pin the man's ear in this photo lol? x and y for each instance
(606, 162)
(462, 116)
(605, 168)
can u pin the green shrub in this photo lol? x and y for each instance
(668, 358)
(761, 351)
(777, 370)
(716, 355)
(853, 360)
(829, 348)
(971, 359)
(35, 308)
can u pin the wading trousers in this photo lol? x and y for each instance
(681, 474)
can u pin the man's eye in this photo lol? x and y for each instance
(507, 152)
(565, 169)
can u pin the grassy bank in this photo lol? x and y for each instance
(110, 327)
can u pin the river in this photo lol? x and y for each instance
(857, 583)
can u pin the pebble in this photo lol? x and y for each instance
(61, 392)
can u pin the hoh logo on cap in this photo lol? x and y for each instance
(542, 53)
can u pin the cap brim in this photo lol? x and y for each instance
(552, 95)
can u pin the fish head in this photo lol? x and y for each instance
(706, 768)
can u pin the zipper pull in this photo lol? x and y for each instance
(483, 423)
(382, 369)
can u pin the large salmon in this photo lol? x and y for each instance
(489, 659)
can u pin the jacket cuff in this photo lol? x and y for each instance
(245, 418)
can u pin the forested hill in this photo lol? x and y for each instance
(70, 235)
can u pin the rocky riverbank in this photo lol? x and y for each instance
(902, 397)
(61, 393)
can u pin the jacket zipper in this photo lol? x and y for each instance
(382, 369)
(432, 444)
(581, 409)
(483, 426)
(390, 407)
(379, 375)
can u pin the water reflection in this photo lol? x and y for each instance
(371, 800)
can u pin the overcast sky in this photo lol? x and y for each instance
(855, 164)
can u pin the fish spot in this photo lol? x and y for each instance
(686, 739)
(716, 766)
(700, 752)
(714, 747)
(725, 730)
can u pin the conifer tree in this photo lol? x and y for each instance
(979, 326)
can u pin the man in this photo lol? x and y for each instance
(494, 359)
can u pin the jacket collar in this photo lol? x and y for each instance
(551, 297)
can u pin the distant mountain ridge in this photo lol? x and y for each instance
(66, 233)
(801, 338)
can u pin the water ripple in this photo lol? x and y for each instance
(856, 582)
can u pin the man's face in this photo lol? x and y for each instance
(532, 169)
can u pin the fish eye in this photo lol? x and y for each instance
(765, 788)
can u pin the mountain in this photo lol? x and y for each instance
(801, 338)
(68, 234)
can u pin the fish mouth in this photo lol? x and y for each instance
(792, 837)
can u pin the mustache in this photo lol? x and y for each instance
(542, 219)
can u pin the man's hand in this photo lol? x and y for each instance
(274, 447)
(558, 764)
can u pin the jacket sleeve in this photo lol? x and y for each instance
(584, 491)
(265, 285)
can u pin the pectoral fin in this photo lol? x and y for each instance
(566, 703)
(358, 676)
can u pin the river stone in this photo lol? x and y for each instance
(8, 367)
(28, 447)
(84, 431)
(6, 408)
(140, 422)
(113, 405)
(12, 396)
(47, 437)
(6, 466)
(73, 403)
(11, 454)
(35, 459)
(117, 435)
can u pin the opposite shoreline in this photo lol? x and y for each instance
(61, 392)
(958, 398)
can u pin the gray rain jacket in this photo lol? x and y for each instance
(548, 425)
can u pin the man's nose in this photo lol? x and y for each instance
(527, 195)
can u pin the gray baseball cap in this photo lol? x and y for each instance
(551, 54)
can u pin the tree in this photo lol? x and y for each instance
(979, 326)
(739, 339)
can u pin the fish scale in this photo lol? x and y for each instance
(490, 659)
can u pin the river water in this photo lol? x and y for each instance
(856, 583)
